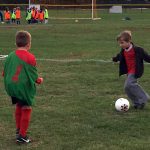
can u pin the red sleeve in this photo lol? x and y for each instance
(26, 57)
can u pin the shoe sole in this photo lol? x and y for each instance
(22, 142)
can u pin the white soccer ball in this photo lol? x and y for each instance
(76, 20)
(122, 104)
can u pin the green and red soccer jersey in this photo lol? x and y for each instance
(20, 75)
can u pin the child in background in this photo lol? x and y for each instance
(1, 17)
(131, 60)
(41, 16)
(46, 16)
(20, 76)
(28, 16)
(13, 15)
(18, 15)
(7, 15)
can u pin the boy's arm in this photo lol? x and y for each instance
(116, 58)
(146, 56)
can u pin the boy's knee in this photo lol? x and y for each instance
(128, 86)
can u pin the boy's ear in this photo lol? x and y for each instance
(28, 46)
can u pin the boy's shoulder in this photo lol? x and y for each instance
(11, 54)
(138, 48)
(26, 56)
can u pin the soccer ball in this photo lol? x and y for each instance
(122, 104)
(76, 20)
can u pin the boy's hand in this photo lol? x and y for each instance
(39, 80)
(114, 59)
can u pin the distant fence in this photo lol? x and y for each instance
(83, 6)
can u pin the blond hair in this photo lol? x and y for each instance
(125, 36)
(23, 38)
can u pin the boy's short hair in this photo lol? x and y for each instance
(23, 38)
(125, 36)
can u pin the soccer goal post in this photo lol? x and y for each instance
(94, 10)
(77, 9)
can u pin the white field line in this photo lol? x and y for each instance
(74, 60)
(2, 57)
(65, 60)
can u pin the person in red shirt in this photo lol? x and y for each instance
(131, 60)
(20, 76)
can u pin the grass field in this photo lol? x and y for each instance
(74, 107)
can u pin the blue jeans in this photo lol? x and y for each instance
(134, 91)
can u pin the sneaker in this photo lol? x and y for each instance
(21, 139)
(142, 106)
(139, 106)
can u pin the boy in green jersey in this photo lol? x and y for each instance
(20, 76)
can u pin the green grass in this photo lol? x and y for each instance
(74, 107)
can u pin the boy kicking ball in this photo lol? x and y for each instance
(131, 60)
(20, 76)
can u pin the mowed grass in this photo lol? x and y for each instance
(74, 107)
